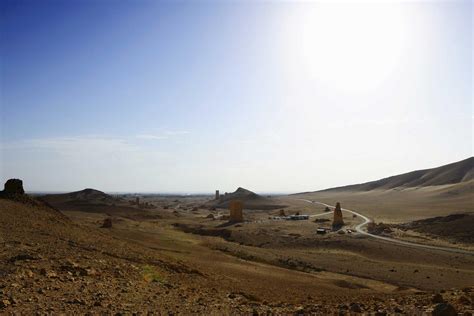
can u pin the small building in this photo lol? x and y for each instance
(321, 231)
(298, 217)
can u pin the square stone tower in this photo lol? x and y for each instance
(236, 207)
(337, 222)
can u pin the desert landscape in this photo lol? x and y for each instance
(268, 157)
(400, 252)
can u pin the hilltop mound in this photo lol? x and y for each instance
(243, 194)
(88, 195)
(251, 200)
(95, 201)
(454, 173)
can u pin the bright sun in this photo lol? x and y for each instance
(347, 47)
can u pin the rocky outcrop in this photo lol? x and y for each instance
(337, 222)
(379, 229)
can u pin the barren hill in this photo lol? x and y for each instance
(95, 201)
(85, 196)
(414, 195)
(454, 173)
(250, 200)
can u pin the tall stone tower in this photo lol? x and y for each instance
(236, 215)
(337, 222)
(217, 195)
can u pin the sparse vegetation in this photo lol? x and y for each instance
(151, 275)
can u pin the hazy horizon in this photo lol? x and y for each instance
(196, 96)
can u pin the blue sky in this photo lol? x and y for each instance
(195, 96)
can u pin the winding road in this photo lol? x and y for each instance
(359, 229)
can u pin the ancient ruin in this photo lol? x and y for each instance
(236, 211)
(217, 195)
(14, 187)
(337, 222)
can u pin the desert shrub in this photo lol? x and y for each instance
(151, 275)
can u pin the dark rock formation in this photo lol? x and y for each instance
(444, 309)
(437, 298)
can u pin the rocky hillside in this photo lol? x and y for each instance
(456, 227)
(455, 173)
(50, 265)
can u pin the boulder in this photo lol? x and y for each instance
(444, 309)
(437, 298)
(354, 307)
(107, 223)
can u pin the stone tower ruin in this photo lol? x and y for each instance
(217, 195)
(236, 214)
(337, 222)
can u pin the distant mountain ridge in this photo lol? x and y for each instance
(453, 173)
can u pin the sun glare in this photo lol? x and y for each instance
(347, 47)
